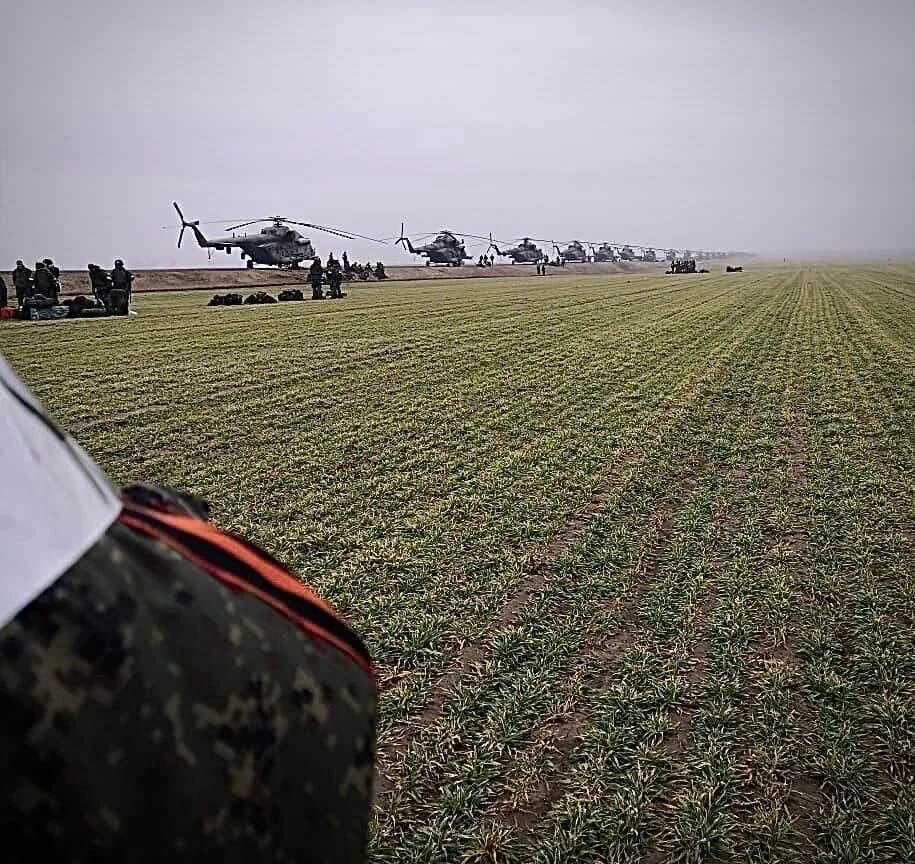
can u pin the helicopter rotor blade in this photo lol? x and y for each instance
(183, 223)
(349, 235)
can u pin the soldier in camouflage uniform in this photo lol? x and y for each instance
(170, 695)
(22, 282)
(315, 274)
(44, 282)
(100, 283)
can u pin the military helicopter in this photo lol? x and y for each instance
(626, 254)
(649, 255)
(276, 245)
(603, 254)
(526, 252)
(446, 248)
(574, 252)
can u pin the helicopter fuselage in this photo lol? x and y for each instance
(444, 250)
(276, 246)
(603, 254)
(525, 253)
(574, 253)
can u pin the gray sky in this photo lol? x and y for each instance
(773, 126)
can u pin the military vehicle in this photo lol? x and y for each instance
(276, 245)
(446, 248)
(603, 253)
(574, 252)
(526, 252)
(626, 254)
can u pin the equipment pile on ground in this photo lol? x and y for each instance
(230, 299)
(259, 297)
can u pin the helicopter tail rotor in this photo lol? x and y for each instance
(184, 223)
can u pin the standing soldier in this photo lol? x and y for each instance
(334, 277)
(44, 282)
(121, 286)
(55, 274)
(22, 282)
(315, 272)
(100, 283)
(4, 297)
(347, 270)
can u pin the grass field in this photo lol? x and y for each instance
(635, 555)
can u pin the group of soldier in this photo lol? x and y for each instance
(687, 265)
(335, 273)
(112, 290)
(40, 288)
(42, 282)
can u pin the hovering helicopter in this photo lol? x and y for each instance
(574, 252)
(603, 253)
(526, 252)
(446, 248)
(276, 245)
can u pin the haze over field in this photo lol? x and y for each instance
(774, 127)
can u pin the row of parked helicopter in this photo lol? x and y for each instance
(280, 245)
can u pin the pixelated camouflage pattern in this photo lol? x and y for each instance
(148, 713)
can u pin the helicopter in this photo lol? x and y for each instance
(574, 252)
(649, 255)
(276, 245)
(445, 249)
(526, 252)
(626, 254)
(603, 253)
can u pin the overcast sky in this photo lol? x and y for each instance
(776, 126)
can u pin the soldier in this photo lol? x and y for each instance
(334, 277)
(347, 270)
(22, 282)
(4, 297)
(100, 283)
(315, 274)
(121, 287)
(122, 278)
(379, 271)
(366, 272)
(55, 273)
(44, 282)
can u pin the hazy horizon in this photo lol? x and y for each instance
(782, 130)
